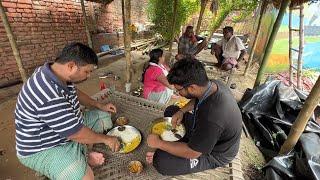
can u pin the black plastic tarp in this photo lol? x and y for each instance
(269, 112)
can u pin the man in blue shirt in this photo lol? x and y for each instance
(51, 130)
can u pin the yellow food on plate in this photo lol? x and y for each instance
(135, 167)
(130, 146)
(129, 137)
(166, 132)
(159, 128)
(181, 103)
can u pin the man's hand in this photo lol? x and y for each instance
(113, 143)
(108, 108)
(153, 141)
(176, 119)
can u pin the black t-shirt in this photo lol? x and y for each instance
(218, 126)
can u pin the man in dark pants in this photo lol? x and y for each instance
(213, 130)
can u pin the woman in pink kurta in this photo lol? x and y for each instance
(156, 86)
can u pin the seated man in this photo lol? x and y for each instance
(229, 50)
(188, 46)
(213, 131)
(51, 130)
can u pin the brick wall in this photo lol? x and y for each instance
(43, 27)
(110, 16)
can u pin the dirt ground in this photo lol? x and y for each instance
(10, 168)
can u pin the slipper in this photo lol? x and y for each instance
(233, 86)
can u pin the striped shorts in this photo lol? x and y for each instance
(68, 161)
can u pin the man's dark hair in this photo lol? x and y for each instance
(189, 27)
(77, 52)
(229, 29)
(186, 72)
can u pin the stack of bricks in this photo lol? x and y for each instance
(43, 27)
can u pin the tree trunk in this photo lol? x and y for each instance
(276, 26)
(13, 43)
(86, 24)
(174, 19)
(126, 8)
(300, 53)
(262, 11)
(302, 119)
(203, 7)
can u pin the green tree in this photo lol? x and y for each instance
(227, 6)
(160, 12)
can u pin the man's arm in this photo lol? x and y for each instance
(87, 136)
(241, 48)
(242, 53)
(189, 106)
(199, 38)
(179, 149)
(178, 116)
(87, 101)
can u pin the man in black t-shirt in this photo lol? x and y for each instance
(213, 129)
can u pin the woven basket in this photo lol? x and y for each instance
(141, 113)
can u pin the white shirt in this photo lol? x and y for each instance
(231, 48)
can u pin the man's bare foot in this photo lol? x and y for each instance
(149, 157)
(95, 159)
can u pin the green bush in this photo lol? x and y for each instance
(160, 12)
(246, 7)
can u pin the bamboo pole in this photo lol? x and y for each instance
(301, 40)
(92, 14)
(203, 7)
(302, 119)
(276, 26)
(290, 50)
(262, 11)
(86, 24)
(174, 19)
(13, 43)
(126, 8)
